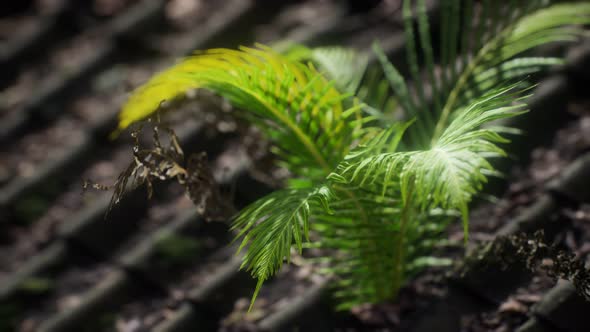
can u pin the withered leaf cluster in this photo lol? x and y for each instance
(533, 253)
(168, 162)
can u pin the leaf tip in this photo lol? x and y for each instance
(255, 295)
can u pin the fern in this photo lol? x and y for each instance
(377, 181)
(344, 66)
(445, 160)
(272, 91)
(284, 220)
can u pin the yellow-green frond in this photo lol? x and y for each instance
(296, 106)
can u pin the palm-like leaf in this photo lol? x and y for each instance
(477, 49)
(300, 111)
(405, 188)
(371, 259)
(394, 231)
(271, 226)
(351, 72)
(346, 67)
(295, 105)
(527, 30)
(445, 161)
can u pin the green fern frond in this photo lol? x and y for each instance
(345, 66)
(351, 72)
(476, 54)
(445, 161)
(271, 225)
(292, 103)
(369, 254)
(454, 169)
(411, 198)
(360, 240)
(521, 28)
(378, 99)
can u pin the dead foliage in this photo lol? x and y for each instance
(167, 162)
(533, 253)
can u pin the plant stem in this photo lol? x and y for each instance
(462, 81)
(365, 221)
(453, 98)
(303, 138)
(399, 250)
